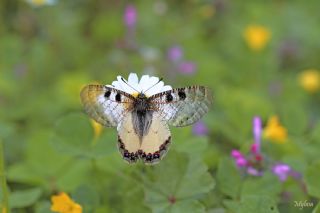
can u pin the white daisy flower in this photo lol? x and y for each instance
(38, 3)
(148, 85)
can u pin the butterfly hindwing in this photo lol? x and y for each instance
(182, 106)
(151, 148)
(104, 104)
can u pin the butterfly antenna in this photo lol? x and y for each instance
(129, 85)
(153, 85)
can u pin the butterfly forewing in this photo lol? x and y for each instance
(105, 105)
(182, 106)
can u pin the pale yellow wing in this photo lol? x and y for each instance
(151, 148)
(105, 105)
(182, 106)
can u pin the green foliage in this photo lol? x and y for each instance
(49, 52)
(24, 198)
(312, 179)
(177, 184)
(69, 140)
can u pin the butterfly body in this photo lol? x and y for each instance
(142, 119)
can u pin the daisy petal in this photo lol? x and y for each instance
(117, 85)
(133, 79)
(144, 82)
(166, 88)
(157, 88)
(124, 85)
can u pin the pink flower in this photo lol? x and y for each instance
(257, 131)
(282, 171)
(236, 154)
(175, 54)
(200, 129)
(130, 16)
(254, 172)
(187, 67)
(254, 148)
(241, 162)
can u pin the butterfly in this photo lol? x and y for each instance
(142, 111)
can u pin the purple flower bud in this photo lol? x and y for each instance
(236, 154)
(130, 16)
(254, 148)
(257, 131)
(187, 67)
(282, 171)
(175, 53)
(200, 129)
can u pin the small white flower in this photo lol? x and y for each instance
(38, 3)
(148, 85)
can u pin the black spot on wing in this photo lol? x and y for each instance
(182, 94)
(169, 97)
(107, 94)
(118, 97)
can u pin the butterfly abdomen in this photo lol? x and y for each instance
(141, 116)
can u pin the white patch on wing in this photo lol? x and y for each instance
(153, 146)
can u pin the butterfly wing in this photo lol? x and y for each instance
(182, 106)
(151, 148)
(105, 105)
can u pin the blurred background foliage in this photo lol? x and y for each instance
(260, 58)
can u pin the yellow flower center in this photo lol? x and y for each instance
(135, 94)
(256, 37)
(274, 131)
(310, 80)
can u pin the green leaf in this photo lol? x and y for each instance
(253, 185)
(73, 131)
(176, 184)
(257, 203)
(5, 130)
(87, 196)
(74, 136)
(43, 207)
(316, 209)
(312, 179)
(24, 198)
(252, 203)
(228, 178)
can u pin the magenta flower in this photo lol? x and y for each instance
(254, 172)
(257, 131)
(130, 16)
(241, 162)
(200, 128)
(236, 153)
(187, 67)
(175, 53)
(282, 171)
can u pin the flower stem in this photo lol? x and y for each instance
(4, 202)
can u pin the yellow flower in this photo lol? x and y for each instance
(62, 203)
(257, 36)
(310, 80)
(274, 131)
(97, 128)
